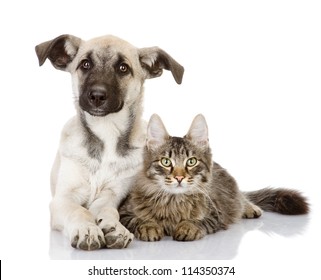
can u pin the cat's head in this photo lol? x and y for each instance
(178, 164)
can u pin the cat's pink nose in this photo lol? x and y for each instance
(179, 178)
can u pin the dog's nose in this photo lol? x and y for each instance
(97, 97)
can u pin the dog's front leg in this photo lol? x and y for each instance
(67, 211)
(105, 210)
(77, 223)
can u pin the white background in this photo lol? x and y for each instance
(253, 68)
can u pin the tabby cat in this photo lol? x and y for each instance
(182, 193)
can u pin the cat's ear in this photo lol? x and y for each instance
(198, 132)
(156, 132)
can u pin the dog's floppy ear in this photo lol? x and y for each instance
(154, 60)
(60, 51)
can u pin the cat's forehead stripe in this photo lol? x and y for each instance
(179, 147)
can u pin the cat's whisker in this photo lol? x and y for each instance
(201, 189)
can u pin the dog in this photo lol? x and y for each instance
(101, 147)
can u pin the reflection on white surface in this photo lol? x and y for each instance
(271, 232)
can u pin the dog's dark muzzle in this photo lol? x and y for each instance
(101, 100)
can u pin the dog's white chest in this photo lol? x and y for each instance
(114, 172)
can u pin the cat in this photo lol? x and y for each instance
(182, 193)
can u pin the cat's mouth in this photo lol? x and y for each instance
(181, 184)
(177, 188)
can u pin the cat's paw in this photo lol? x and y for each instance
(187, 231)
(149, 232)
(252, 211)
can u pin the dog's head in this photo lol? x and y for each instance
(107, 72)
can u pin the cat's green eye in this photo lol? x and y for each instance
(191, 161)
(166, 162)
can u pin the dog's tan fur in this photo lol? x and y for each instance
(101, 147)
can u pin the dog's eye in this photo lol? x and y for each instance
(123, 68)
(86, 64)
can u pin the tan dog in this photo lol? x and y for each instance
(101, 147)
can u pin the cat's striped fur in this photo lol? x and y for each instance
(182, 193)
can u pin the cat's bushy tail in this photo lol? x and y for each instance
(280, 200)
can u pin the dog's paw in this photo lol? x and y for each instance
(252, 211)
(187, 231)
(89, 237)
(149, 232)
(116, 235)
